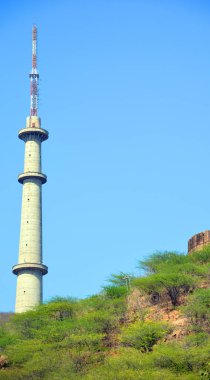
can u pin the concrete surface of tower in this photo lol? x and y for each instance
(30, 268)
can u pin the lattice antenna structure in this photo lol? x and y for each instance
(34, 76)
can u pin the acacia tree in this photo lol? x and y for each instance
(174, 283)
(172, 272)
(156, 262)
(120, 279)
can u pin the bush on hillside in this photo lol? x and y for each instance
(198, 307)
(115, 291)
(144, 335)
(178, 359)
(200, 257)
(196, 339)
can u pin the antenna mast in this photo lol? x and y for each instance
(34, 76)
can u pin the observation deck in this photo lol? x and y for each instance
(32, 175)
(30, 266)
(28, 133)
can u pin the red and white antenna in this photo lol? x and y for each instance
(34, 76)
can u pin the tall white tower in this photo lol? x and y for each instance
(30, 268)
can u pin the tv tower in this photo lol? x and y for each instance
(30, 268)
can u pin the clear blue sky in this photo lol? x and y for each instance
(125, 95)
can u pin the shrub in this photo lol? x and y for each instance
(205, 374)
(195, 340)
(148, 284)
(198, 307)
(202, 257)
(144, 335)
(6, 338)
(115, 291)
(179, 359)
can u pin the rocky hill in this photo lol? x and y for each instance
(153, 327)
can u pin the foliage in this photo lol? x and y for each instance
(198, 307)
(173, 283)
(175, 357)
(115, 291)
(95, 338)
(201, 257)
(158, 260)
(196, 339)
(5, 338)
(174, 273)
(144, 335)
(205, 374)
(121, 279)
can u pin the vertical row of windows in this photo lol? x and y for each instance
(27, 223)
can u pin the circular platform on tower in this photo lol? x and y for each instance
(27, 133)
(32, 175)
(30, 266)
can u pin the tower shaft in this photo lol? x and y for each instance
(30, 268)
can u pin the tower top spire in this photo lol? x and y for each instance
(34, 48)
(34, 76)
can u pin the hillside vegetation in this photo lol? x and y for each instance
(153, 327)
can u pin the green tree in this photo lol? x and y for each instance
(173, 283)
(158, 260)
